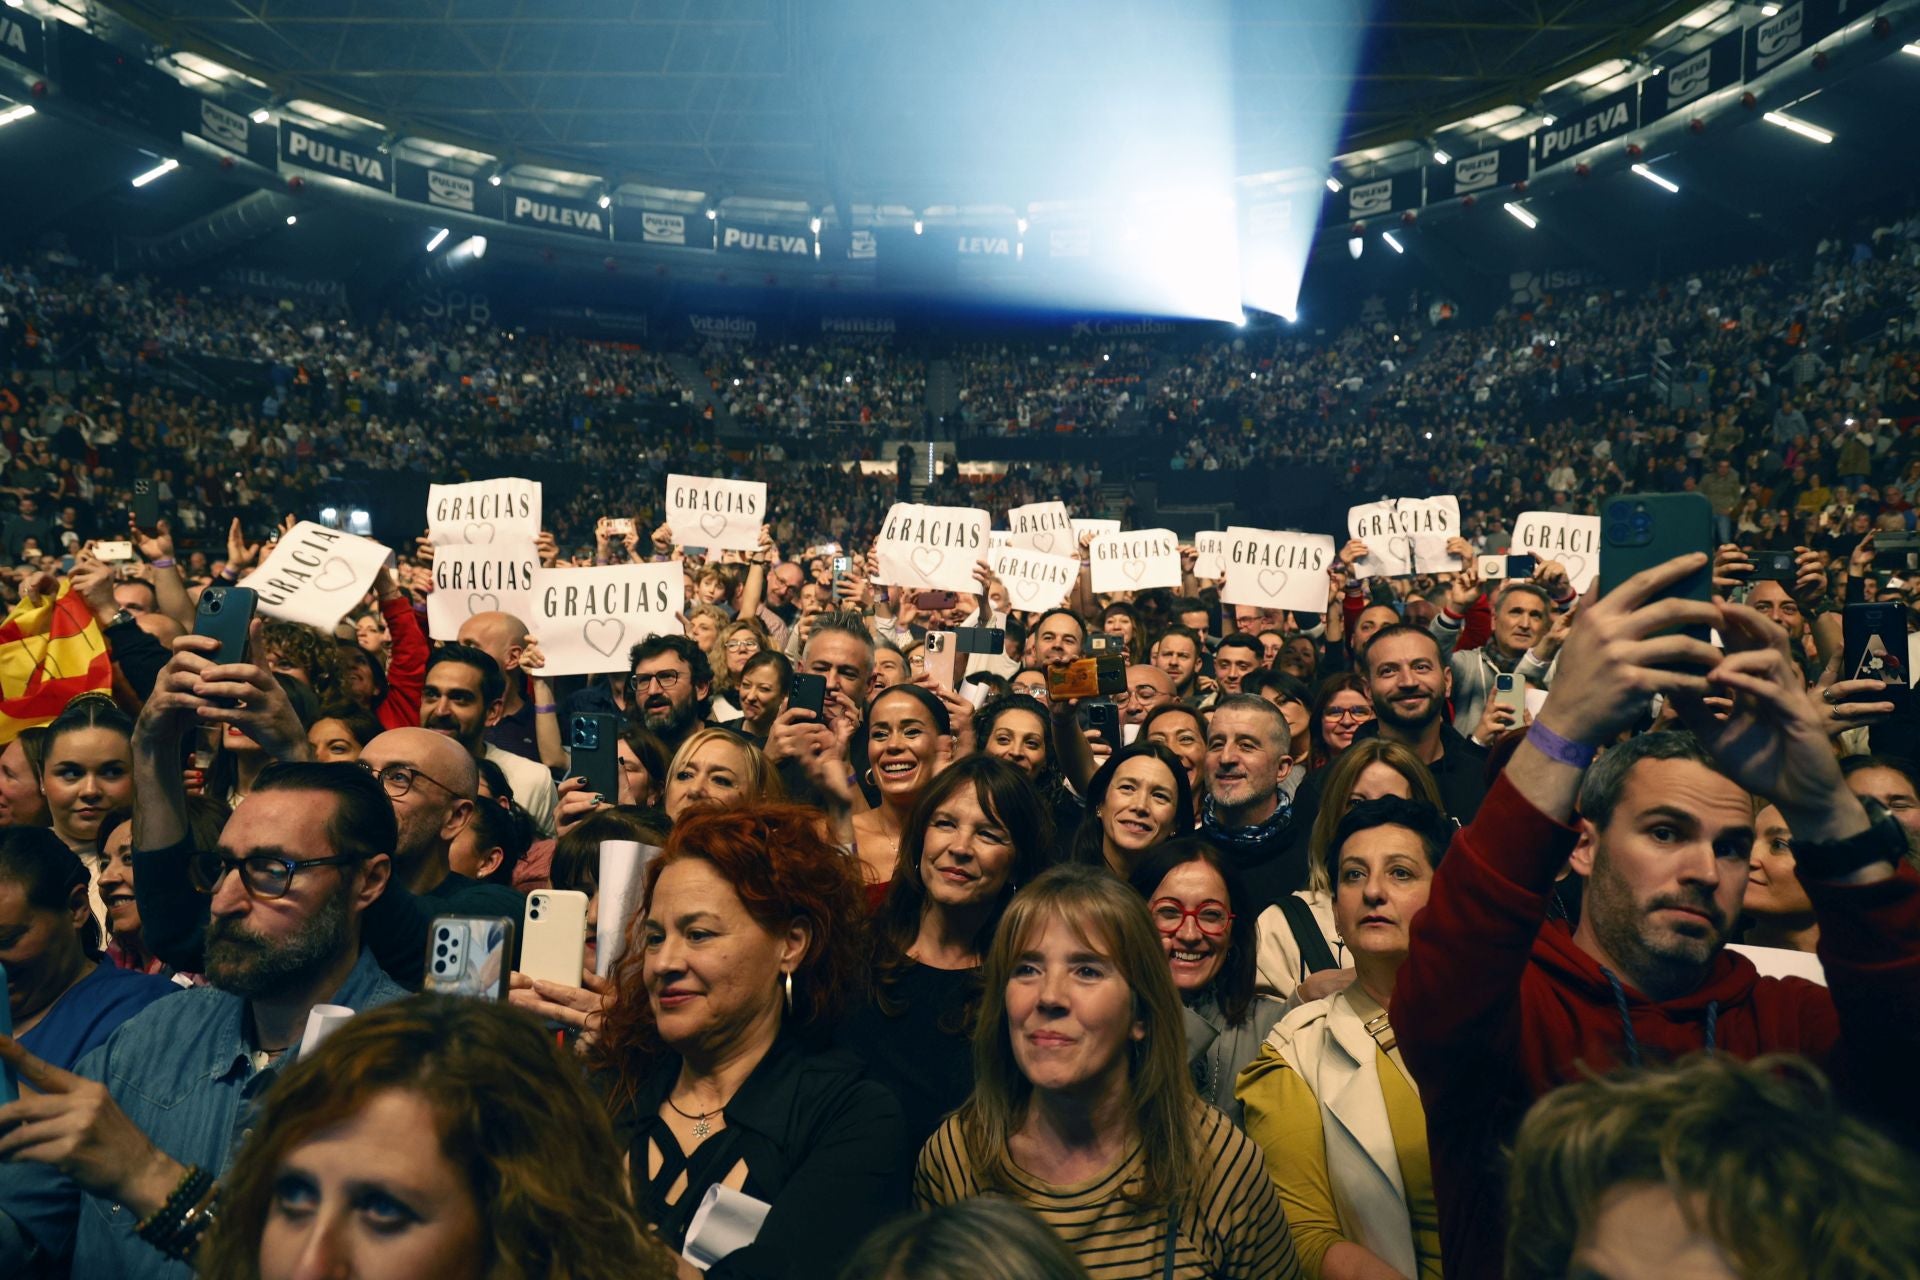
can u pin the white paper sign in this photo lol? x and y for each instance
(934, 548)
(720, 515)
(1094, 527)
(316, 575)
(1036, 581)
(622, 864)
(1272, 570)
(1136, 560)
(1406, 536)
(1572, 540)
(483, 512)
(1043, 526)
(1210, 555)
(480, 579)
(588, 619)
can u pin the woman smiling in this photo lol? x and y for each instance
(1136, 800)
(1083, 1109)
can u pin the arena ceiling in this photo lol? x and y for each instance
(771, 96)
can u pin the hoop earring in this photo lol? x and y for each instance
(788, 984)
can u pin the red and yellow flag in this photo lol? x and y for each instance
(51, 651)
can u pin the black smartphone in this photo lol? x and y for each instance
(980, 639)
(146, 505)
(1642, 530)
(808, 692)
(1100, 643)
(595, 747)
(1895, 549)
(1875, 647)
(226, 614)
(1103, 718)
(1774, 566)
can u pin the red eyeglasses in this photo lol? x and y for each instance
(1211, 918)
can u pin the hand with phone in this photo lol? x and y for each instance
(580, 1008)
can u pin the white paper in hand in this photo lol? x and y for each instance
(622, 864)
(587, 620)
(1267, 569)
(482, 513)
(480, 579)
(1406, 536)
(934, 548)
(726, 1220)
(1135, 560)
(322, 1021)
(1035, 580)
(1572, 540)
(720, 515)
(1094, 525)
(1210, 555)
(1041, 526)
(316, 575)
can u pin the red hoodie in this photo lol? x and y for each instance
(1495, 1006)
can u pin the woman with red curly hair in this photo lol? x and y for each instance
(748, 946)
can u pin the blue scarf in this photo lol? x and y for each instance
(1250, 838)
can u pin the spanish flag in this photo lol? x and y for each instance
(51, 652)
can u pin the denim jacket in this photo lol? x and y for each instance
(182, 1070)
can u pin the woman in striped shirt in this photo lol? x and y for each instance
(1083, 1109)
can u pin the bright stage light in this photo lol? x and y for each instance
(1333, 185)
(439, 238)
(260, 115)
(1393, 242)
(1522, 216)
(1801, 127)
(1656, 179)
(1441, 157)
(160, 170)
(292, 218)
(11, 114)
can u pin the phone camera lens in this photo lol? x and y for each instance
(533, 913)
(445, 933)
(212, 604)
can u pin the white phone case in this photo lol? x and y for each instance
(553, 936)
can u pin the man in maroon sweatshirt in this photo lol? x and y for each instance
(1497, 1004)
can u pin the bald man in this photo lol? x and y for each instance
(503, 638)
(433, 805)
(1147, 688)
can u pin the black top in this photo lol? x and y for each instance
(1270, 868)
(1460, 773)
(924, 1052)
(824, 1146)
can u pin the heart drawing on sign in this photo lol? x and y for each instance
(477, 532)
(335, 575)
(1400, 549)
(1576, 567)
(1273, 582)
(1134, 569)
(482, 602)
(1026, 590)
(712, 523)
(603, 635)
(1043, 542)
(926, 560)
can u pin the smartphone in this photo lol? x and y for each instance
(113, 552)
(619, 526)
(1774, 566)
(9, 1084)
(930, 601)
(1511, 691)
(1494, 568)
(226, 614)
(1875, 646)
(1103, 718)
(1087, 678)
(1895, 549)
(469, 956)
(553, 937)
(594, 743)
(808, 692)
(942, 659)
(981, 639)
(1642, 530)
(1101, 643)
(146, 505)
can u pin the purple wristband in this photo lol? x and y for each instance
(164, 562)
(1554, 747)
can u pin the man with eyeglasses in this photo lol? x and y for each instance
(462, 698)
(95, 1156)
(668, 687)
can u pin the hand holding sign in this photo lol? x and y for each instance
(484, 512)
(1273, 570)
(480, 579)
(720, 515)
(1135, 561)
(1035, 580)
(589, 619)
(316, 575)
(1210, 555)
(1573, 541)
(931, 547)
(1040, 526)
(1405, 536)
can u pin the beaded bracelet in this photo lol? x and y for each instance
(161, 1226)
(197, 1222)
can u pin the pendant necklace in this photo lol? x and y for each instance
(700, 1126)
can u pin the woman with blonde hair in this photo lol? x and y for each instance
(718, 766)
(739, 641)
(1083, 1109)
(517, 1177)
(704, 625)
(1298, 938)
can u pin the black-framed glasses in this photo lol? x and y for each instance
(665, 679)
(265, 875)
(398, 779)
(1212, 918)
